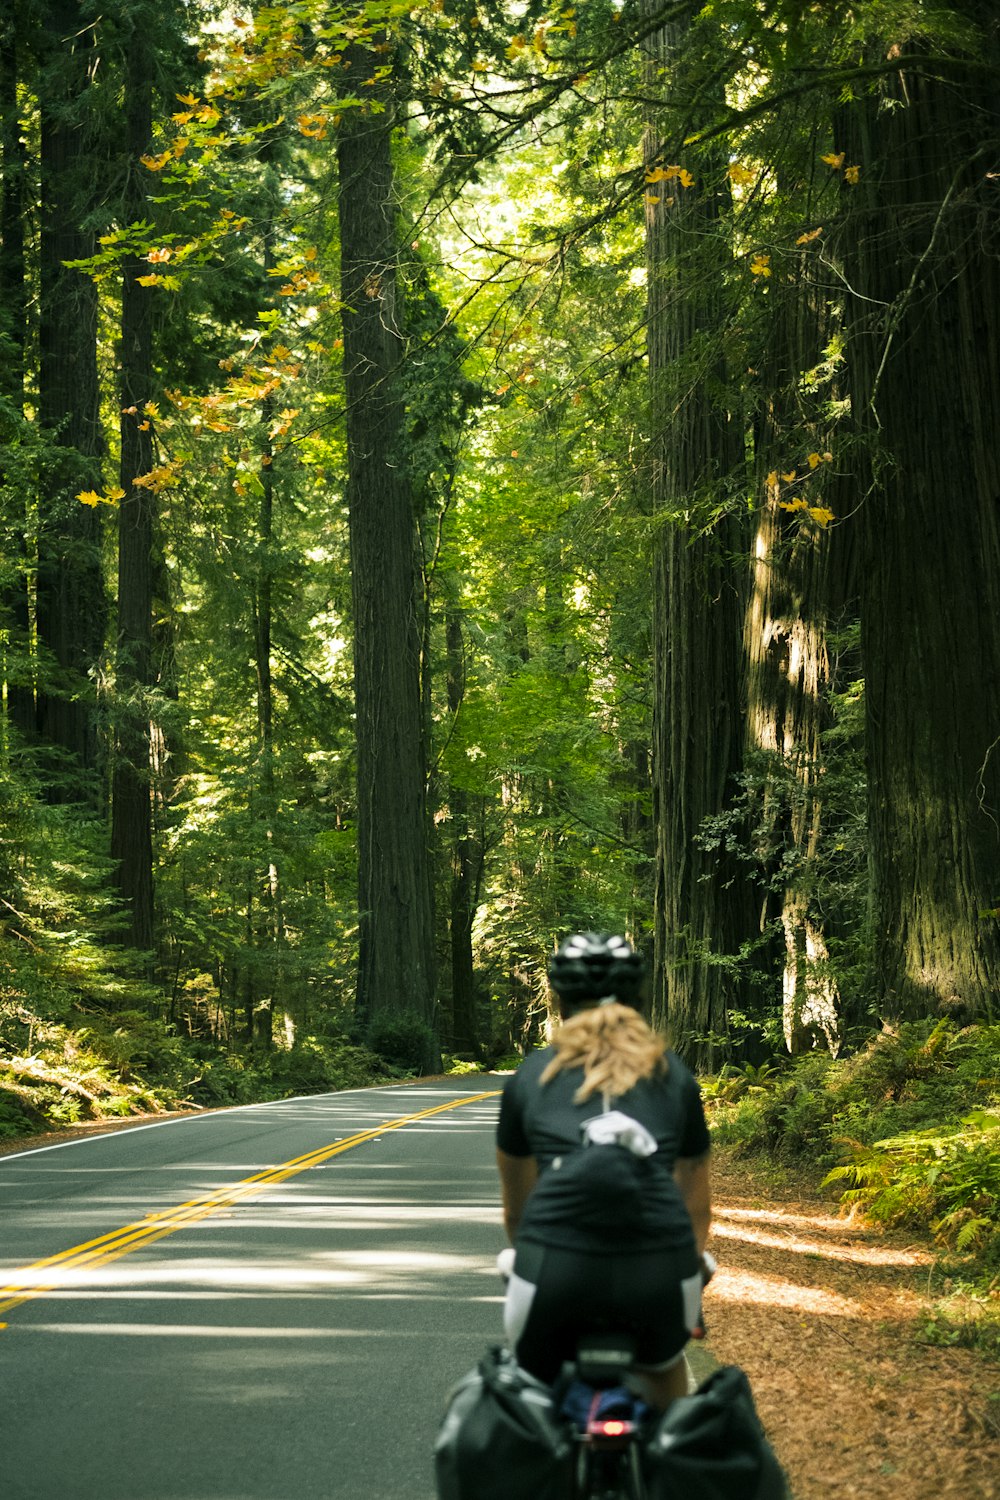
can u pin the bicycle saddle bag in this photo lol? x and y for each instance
(711, 1446)
(502, 1437)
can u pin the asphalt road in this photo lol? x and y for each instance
(173, 1329)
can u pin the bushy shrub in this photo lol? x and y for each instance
(403, 1040)
(908, 1129)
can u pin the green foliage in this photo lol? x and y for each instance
(403, 1040)
(908, 1129)
(946, 1177)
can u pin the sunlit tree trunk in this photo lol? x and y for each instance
(702, 910)
(923, 261)
(466, 868)
(396, 961)
(799, 580)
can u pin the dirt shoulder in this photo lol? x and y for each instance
(824, 1315)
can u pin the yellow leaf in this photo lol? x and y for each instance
(157, 163)
(789, 477)
(686, 179)
(189, 99)
(652, 198)
(792, 505)
(772, 479)
(821, 515)
(311, 253)
(114, 493)
(157, 257)
(835, 160)
(89, 497)
(151, 280)
(143, 426)
(814, 460)
(741, 176)
(760, 265)
(807, 239)
(851, 175)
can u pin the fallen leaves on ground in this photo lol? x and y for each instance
(824, 1316)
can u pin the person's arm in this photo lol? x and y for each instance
(691, 1176)
(518, 1175)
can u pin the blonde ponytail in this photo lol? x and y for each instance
(614, 1047)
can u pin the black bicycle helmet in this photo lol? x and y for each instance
(594, 966)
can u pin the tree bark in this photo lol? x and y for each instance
(702, 909)
(396, 959)
(923, 258)
(20, 705)
(71, 604)
(466, 868)
(131, 807)
(799, 581)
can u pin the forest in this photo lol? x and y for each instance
(474, 470)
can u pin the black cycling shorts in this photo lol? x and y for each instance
(556, 1295)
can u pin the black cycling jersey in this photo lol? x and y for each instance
(602, 1197)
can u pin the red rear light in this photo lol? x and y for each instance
(612, 1427)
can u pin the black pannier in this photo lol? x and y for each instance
(711, 1446)
(502, 1437)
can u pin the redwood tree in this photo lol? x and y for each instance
(923, 255)
(396, 959)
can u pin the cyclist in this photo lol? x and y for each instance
(602, 1148)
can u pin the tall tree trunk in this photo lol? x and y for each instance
(799, 580)
(71, 605)
(923, 257)
(396, 960)
(702, 910)
(131, 805)
(466, 868)
(14, 604)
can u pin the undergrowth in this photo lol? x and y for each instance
(906, 1131)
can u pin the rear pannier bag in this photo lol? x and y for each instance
(711, 1446)
(502, 1437)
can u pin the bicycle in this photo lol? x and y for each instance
(608, 1419)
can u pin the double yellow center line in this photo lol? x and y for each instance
(46, 1275)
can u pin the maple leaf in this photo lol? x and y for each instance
(741, 176)
(789, 477)
(89, 497)
(807, 239)
(835, 159)
(851, 175)
(156, 257)
(189, 99)
(821, 515)
(157, 163)
(686, 179)
(760, 265)
(151, 280)
(772, 480)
